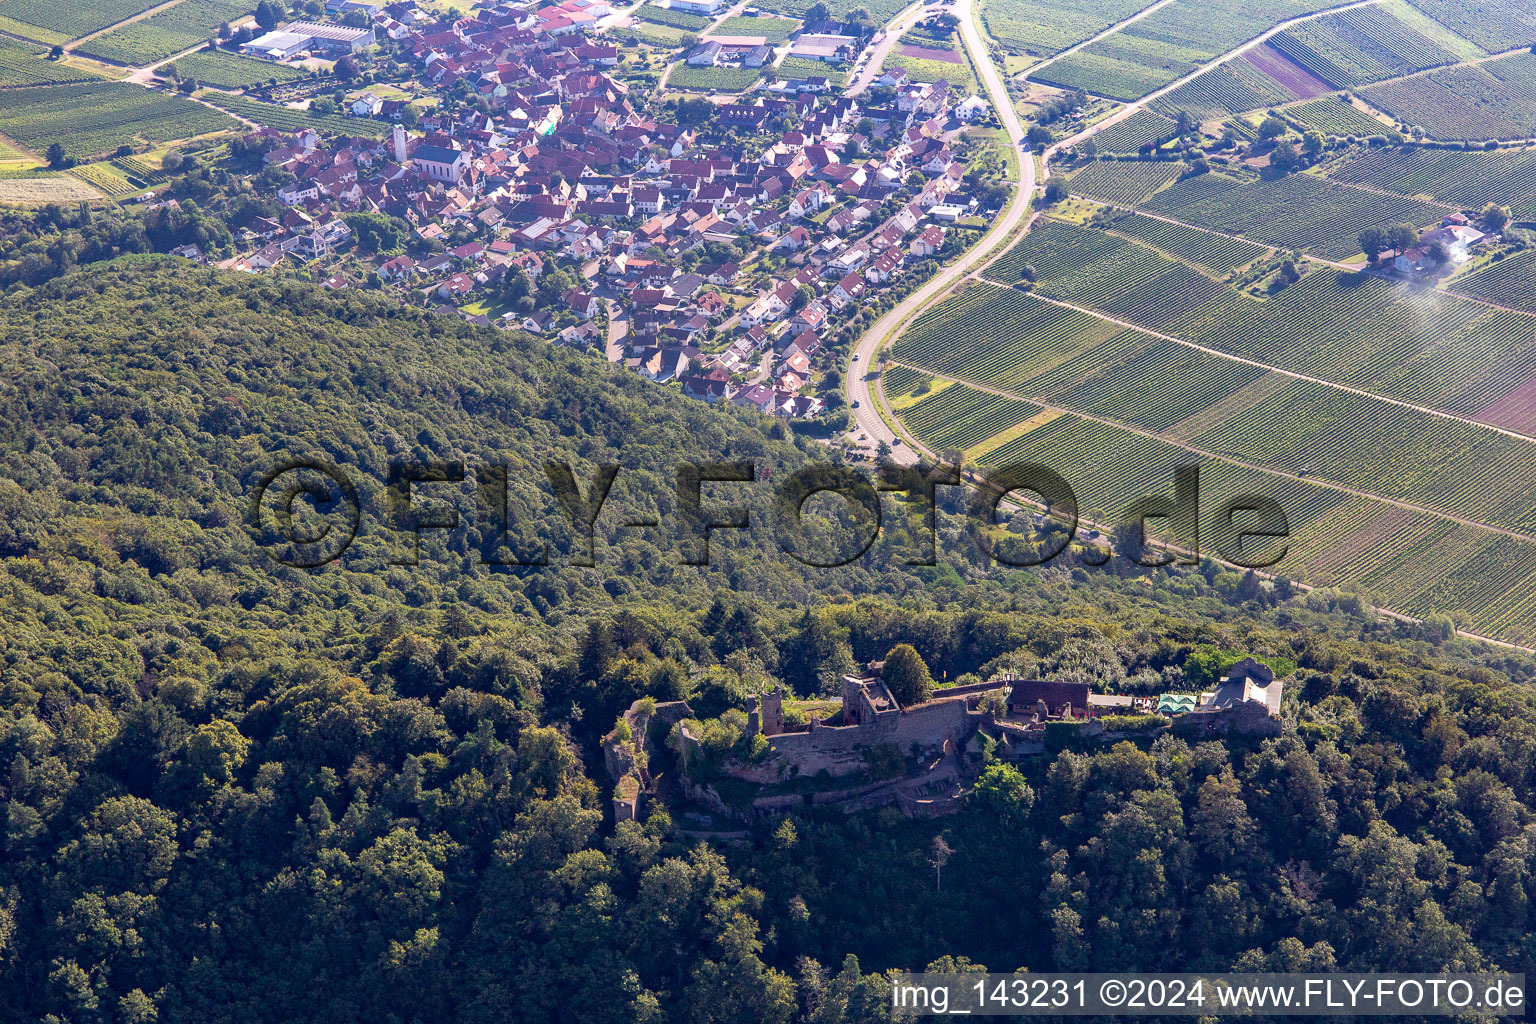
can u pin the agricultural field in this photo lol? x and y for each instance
(1297, 211)
(1116, 276)
(1231, 88)
(1495, 25)
(713, 79)
(1140, 129)
(105, 178)
(774, 30)
(920, 70)
(98, 118)
(71, 19)
(1285, 73)
(1469, 180)
(288, 119)
(1509, 282)
(1168, 44)
(961, 416)
(1214, 253)
(144, 168)
(1360, 46)
(1125, 183)
(169, 32)
(997, 337)
(229, 71)
(880, 11)
(1046, 27)
(904, 385)
(1492, 100)
(1333, 116)
(804, 67)
(54, 189)
(676, 19)
(21, 64)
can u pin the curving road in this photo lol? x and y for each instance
(867, 421)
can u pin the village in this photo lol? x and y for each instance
(725, 248)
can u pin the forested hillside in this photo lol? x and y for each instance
(235, 791)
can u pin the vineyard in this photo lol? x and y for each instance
(774, 30)
(227, 71)
(144, 169)
(1360, 46)
(1457, 468)
(997, 337)
(288, 119)
(74, 18)
(903, 382)
(805, 67)
(1493, 100)
(1046, 27)
(1169, 43)
(169, 32)
(959, 417)
(667, 16)
(1364, 332)
(1142, 128)
(1333, 116)
(1294, 212)
(1119, 277)
(21, 64)
(880, 11)
(1466, 179)
(1509, 282)
(1127, 184)
(100, 117)
(106, 178)
(1216, 253)
(713, 79)
(1495, 25)
(1231, 88)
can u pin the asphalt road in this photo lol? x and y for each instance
(869, 430)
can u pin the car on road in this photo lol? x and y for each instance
(855, 403)
(895, 442)
(855, 357)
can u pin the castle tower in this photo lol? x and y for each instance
(771, 705)
(400, 156)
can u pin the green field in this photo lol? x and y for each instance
(1470, 180)
(21, 64)
(168, 32)
(880, 11)
(773, 30)
(1232, 88)
(1214, 253)
(675, 19)
(72, 19)
(804, 67)
(105, 177)
(228, 71)
(98, 118)
(1140, 129)
(1509, 282)
(1492, 100)
(288, 119)
(1495, 25)
(1168, 44)
(959, 417)
(1297, 211)
(1125, 183)
(713, 79)
(1360, 46)
(1451, 353)
(1046, 27)
(1332, 116)
(922, 70)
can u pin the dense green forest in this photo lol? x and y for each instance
(238, 791)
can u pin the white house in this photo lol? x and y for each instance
(367, 105)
